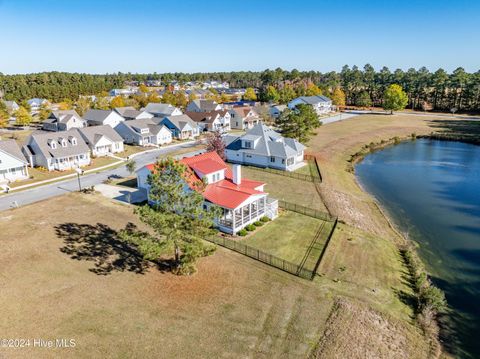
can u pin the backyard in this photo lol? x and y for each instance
(290, 237)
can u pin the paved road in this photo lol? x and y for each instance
(70, 185)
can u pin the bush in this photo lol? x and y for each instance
(250, 227)
(243, 232)
(258, 223)
(264, 219)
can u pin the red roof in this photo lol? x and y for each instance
(224, 193)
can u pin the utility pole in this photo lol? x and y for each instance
(79, 173)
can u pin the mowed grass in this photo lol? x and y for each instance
(289, 237)
(64, 274)
(309, 169)
(287, 188)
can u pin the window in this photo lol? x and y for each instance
(74, 141)
(272, 159)
(283, 161)
(53, 145)
(248, 144)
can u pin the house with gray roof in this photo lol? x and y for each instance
(57, 151)
(103, 117)
(13, 164)
(36, 103)
(276, 110)
(144, 132)
(200, 105)
(321, 104)
(182, 127)
(261, 146)
(130, 113)
(162, 110)
(63, 120)
(102, 140)
(11, 106)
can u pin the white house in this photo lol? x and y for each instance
(63, 120)
(102, 140)
(182, 127)
(144, 132)
(13, 165)
(103, 117)
(121, 92)
(130, 113)
(11, 106)
(162, 109)
(211, 121)
(200, 105)
(321, 104)
(57, 151)
(36, 103)
(243, 117)
(263, 147)
(241, 200)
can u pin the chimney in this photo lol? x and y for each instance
(237, 174)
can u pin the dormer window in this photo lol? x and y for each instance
(73, 140)
(247, 144)
(63, 142)
(52, 144)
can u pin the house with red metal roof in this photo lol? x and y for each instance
(242, 201)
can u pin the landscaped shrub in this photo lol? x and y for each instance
(265, 219)
(258, 223)
(243, 232)
(250, 227)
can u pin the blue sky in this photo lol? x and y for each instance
(194, 36)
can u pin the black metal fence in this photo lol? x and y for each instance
(264, 257)
(305, 210)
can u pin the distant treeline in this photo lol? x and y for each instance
(437, 90)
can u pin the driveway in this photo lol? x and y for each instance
(40, 193)
(340, 117)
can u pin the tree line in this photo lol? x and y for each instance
(438, 90)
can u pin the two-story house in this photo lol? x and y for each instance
(242, 201)
(103, 117)
(211, 121)
(63, 120)
(263, 147)
(57, 151)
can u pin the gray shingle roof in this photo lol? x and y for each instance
(11, 147)
(43, 141)
(62, 116)
(95, 133)
(152, 125)
(181, 121)
(313, 100)
(160, 109)
(97, 115)
(206, 105)
(270, 143)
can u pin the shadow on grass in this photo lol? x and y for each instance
(467, 131)
(101, 245)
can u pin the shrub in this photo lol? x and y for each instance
(258, 223)
(396, 140)
(250, 227)
(264, 219)
(243, 232)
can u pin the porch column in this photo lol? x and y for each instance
(233, 221)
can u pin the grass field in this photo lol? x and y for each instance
(309, 169)
(288, 237)
(74, 279)
(287, 188)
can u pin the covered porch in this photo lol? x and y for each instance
(67, 163)
(233, 220)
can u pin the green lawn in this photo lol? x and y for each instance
(289, 236)
(309, 169)
(287, 188)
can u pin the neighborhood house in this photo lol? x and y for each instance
(102, 140)
(103, 117)
(162, 109)
(63, 120)
(130, 113)
(321, 104)
(144, 132)
(203, 106)
(211, 121)
(59, 151)
(243, 117)
(13, 165)
(182, 127)
(242, 201)
(263, 147)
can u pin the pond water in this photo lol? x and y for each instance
(431, 189)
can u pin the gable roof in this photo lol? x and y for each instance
(42, 140)
(223, 193)
(93, 134)
(163, 109)
(129, 112)
(97, 115)
(313, 100)
(205, 105)
(11, 148)
(142, 123)
(180, 121)
(207, 117)
(270, 142)
(63, 116)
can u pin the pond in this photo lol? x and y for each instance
(431, 189)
